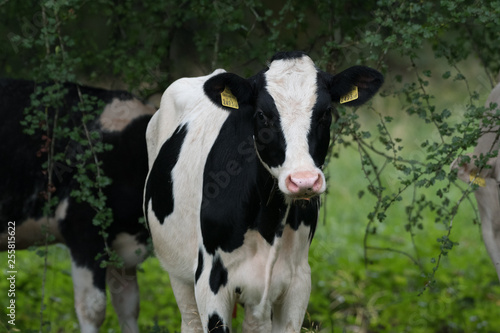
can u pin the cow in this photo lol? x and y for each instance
(487, 177)
(24, 190)
(232, 193)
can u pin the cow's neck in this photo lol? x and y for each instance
(285, 212)
(273, 209)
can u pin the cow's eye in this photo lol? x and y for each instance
(262, 117)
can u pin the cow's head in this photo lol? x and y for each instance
(291, 102)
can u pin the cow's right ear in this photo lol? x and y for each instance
(225, 85)
(365, 80)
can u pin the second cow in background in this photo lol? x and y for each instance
(487, 179)
(24, 185)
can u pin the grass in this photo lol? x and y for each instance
(385, 295)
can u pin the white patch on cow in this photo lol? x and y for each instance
(33, 231)
(184, 102)
(118, 114)
(62, 210)
(182, 99)
(90, 302)
(266, 272)
(129, 249)
(293, 85)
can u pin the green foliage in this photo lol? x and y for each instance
(439, 59)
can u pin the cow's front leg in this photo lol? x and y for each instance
(215, 300)
(124, 290)
(90, 296)
(253, 324)
(289, 311)
(186, 301)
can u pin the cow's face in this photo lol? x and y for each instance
(291, 103)
(292, 126)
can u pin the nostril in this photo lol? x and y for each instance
(318, 184)
(291, 185)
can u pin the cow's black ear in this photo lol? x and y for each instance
(233, 84)
(343, 85)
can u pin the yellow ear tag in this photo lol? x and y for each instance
(476, 179)
(350, 96)
(228, 99)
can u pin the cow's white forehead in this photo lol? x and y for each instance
(292, 84)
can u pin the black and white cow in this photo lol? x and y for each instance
(232, 193)
(488, 179)
(122, 123)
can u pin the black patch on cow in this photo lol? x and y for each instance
(269, 137)
(218, 275)
(125, 194)
(84, 241)
(279, 231)
(228, 184)
(238, 192)
(216, 324)
(199, 268)
(288, 55)
(159, 184)
(23, 183)
(304, 212)
(319, 132)
(237, 290)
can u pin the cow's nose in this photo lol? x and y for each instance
(304, 183)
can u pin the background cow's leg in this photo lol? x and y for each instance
(186, 301)
(288, 312)
(124, 290)
(489, 208)
(90, 296)
(89, 279)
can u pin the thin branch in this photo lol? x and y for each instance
(50, 187)
(426, 98)
(412, 234)
(96, 161)
(59, 35)
(415, 261)
(87, 135)
(378, 194)
(450, 226)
